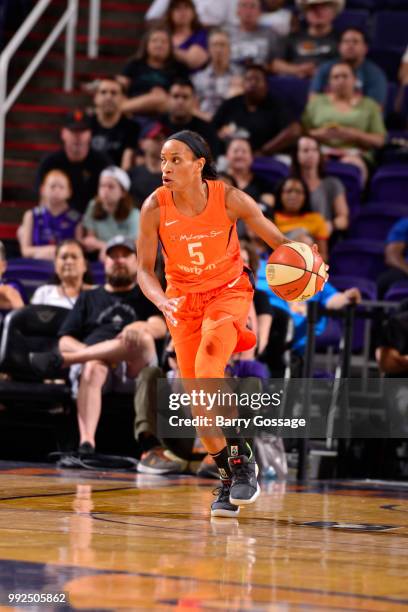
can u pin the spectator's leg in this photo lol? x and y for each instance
(388, 278)
(356, 160)
(113, 351)
(146, 404)
(89, 400)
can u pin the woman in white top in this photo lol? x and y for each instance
(71, 277)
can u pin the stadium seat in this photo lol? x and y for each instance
(390, 30)
(352, 18)
(390, 184)
(362, 258)
(388, 59)
(28, 329)
(98, 272)
(367, 287)
(367, 5)
(368, 291)
(375, 220)
(350, 176)
(397, 292)
(34, 410)
(30, 272)
(270, 169)
(291, 90)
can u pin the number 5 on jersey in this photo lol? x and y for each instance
(192, 250)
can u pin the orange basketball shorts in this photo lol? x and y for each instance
(211, 326)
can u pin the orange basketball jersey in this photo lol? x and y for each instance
(200, 252)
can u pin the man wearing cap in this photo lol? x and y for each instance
(313, 45)
(111, 331)
(77, 160)
(112, 133)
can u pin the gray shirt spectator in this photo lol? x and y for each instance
(250, 41)
(219, 80)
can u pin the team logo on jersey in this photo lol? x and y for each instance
(223, 473)
(234, 451)
(211, 234)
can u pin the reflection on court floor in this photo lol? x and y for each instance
(111, 541)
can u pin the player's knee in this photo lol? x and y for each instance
(210, 358)
(94, 373)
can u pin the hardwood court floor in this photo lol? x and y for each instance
(116, 541)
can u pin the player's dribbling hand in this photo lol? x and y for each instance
(170, 307)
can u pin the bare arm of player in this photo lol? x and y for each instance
(147, 245)
(239, 205)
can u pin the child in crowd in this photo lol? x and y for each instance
(51, 221)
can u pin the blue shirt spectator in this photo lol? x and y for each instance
(399, 233)
(396, 258)
(371, 80)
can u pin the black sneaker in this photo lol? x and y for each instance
(244, 484)
(86, 448)
(46, 365)
(222, 505)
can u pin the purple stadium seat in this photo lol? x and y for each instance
(362, 258)
(394, 4)
(368, 290)
(388, 59)
(98, 272)
(390, 183)
(332, 334)
(368, 5)
(375, 220)
(330, 337)
(352, 18)
(270, 169)
(292, 90)
(397, 292)
(390, 30)
(350, 176)
(30, 272)
(367, 287)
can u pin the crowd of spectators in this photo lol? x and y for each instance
(204, 66)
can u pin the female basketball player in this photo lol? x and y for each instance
(208, 293)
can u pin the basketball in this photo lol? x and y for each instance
(295, 272)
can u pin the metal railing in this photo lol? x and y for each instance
(67, 21)
(93, 28)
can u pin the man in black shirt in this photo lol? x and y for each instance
(112, 331)
(77, 160)
(181, 114)
(269, 126)
(113, 134)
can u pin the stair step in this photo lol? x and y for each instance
(23, 136)
(111, 5)
(18, 192)
(37, 112)
(111, 25)
(20, 171)
(55, 61)
(11, 214)
(59, 97)
(108, 45)
(8, 231)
